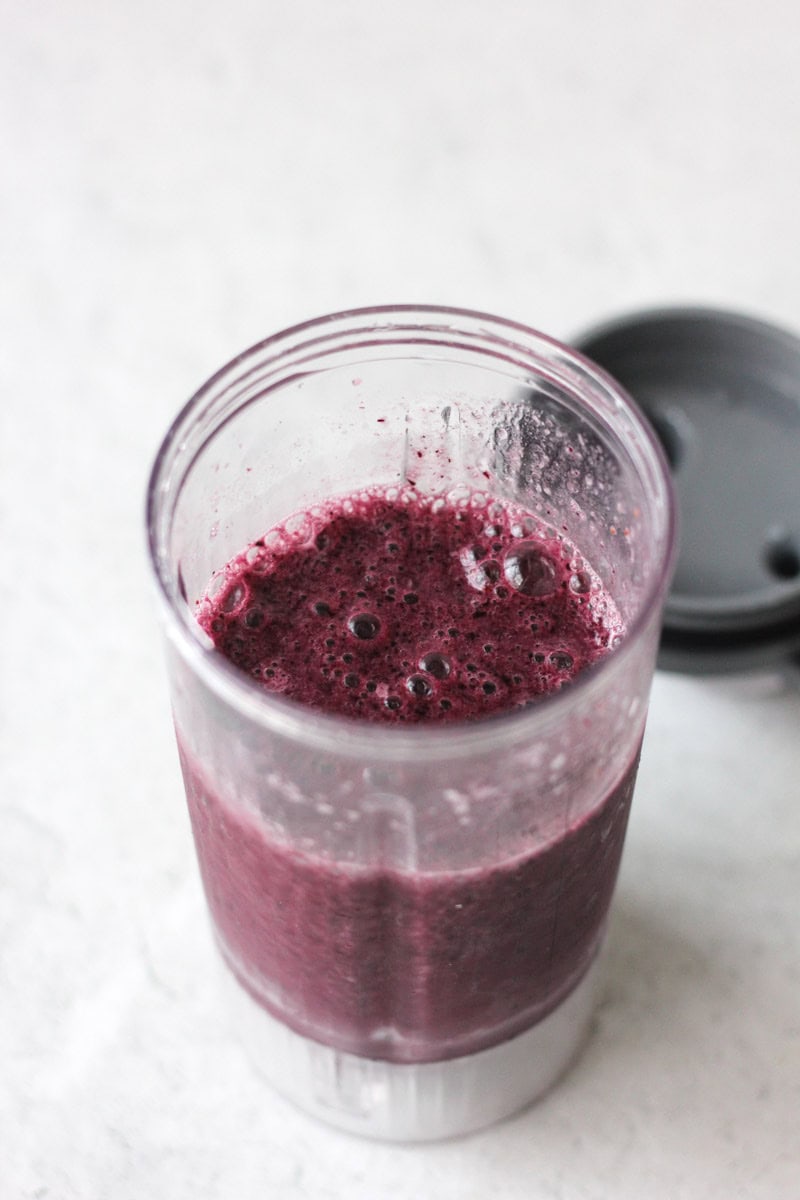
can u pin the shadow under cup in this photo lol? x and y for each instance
(411, 916)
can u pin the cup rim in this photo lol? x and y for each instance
(347, 735)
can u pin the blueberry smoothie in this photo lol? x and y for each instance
(397, 609)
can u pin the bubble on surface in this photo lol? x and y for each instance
(580, 583)
(321, 609)
(530, 570)
(254, 618)
(419, 686)
(473, 569)
(459, 496)
(561, 660)
(276, 679)
(233, 599)
(364, 626)
(298, 525)
(436, 664)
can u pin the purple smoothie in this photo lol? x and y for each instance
(391, 608)
(405, 610)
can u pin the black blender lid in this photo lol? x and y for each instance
(722, 392)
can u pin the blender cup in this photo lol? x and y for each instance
(410, 918)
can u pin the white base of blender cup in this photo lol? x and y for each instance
(406, 1102)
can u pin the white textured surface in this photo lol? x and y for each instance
(178, 180)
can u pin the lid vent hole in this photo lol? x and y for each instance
(782, 557)
(670, 436)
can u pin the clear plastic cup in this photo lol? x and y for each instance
(411, 917)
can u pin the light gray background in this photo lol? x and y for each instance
(178, 180)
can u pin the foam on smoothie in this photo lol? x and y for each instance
(387, 605)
